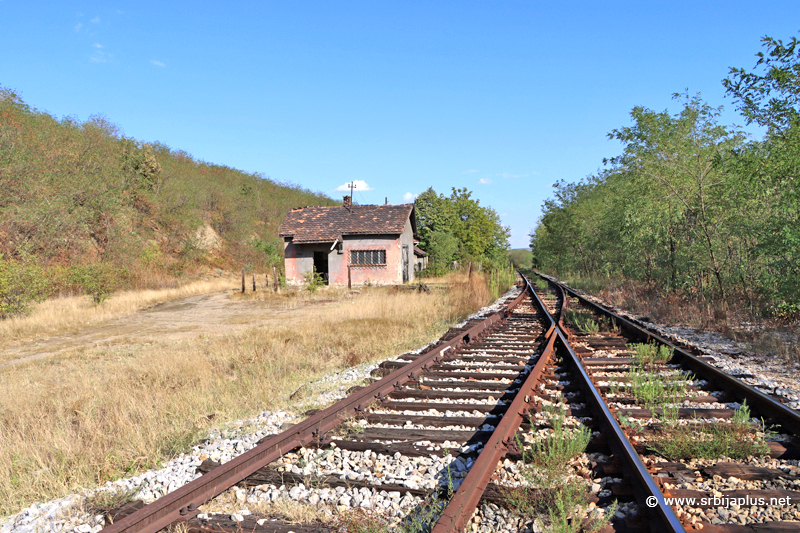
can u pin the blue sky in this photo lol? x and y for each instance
(504, 98)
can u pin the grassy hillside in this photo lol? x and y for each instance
(85, 209)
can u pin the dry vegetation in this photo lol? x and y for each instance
(79, 419)
(71, 313)
(733, 318)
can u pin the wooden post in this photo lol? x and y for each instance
(242, 281)
(349, 284)
(275, 279)
(254, 282)
(266, 282)
(469, 276)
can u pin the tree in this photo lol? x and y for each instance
(458, 227)
(770, 97)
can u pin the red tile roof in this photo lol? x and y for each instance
(326, 224)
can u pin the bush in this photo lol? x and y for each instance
(313, 280)
(21, 283)
(98, 280)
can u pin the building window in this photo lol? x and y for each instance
(367, 257)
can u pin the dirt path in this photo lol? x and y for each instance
(205, 314)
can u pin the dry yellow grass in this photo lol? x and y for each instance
(70, 313)
(80, 419)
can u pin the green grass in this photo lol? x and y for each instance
(560, 445)
(653, 390)
(647, 355)
(550, 491)
(736, 440)
(583, 321)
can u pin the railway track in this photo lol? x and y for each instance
(473, 411)
(699, 431)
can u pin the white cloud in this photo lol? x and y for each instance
(360, 185)
(158, 63)
(97, 45)
(78, 26)
(95, 20)
(470, 172)
(409, 197)
(485, 181)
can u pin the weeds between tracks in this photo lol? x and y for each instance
(736, 440)
(103, 412)
(550, 490)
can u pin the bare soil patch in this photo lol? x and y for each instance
(205, 314)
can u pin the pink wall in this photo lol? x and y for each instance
(299, 259)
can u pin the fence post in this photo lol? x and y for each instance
(275, 278)
(254, 282)
(266, 282)
(242, 281)
(469, 276)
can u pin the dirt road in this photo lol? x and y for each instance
(206, 314)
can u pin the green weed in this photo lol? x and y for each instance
(649, 354)
(550, 490)
(710, 441)
(653, 389)
(583, 321)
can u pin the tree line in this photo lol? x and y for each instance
(690, 205)
(85, 209)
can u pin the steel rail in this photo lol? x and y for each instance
(668, 521)
(458, 512)
(774, 409)
(184, 502)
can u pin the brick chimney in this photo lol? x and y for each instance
(348, 201)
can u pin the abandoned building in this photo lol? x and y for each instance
(351, 244)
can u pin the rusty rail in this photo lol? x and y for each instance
(183, 503)
(667, 520)
(458, 512)
(787, 417)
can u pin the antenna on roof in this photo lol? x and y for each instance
(352, 186)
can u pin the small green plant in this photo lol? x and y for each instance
(561, 444)
(653, 389)
(314, 280)
(736, 440)
(583, 321)
(647, 355)
(542, 284)
(614, 387)
(568, 511)
(609, 324)
(550, 491)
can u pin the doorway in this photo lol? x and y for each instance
(321, 265)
